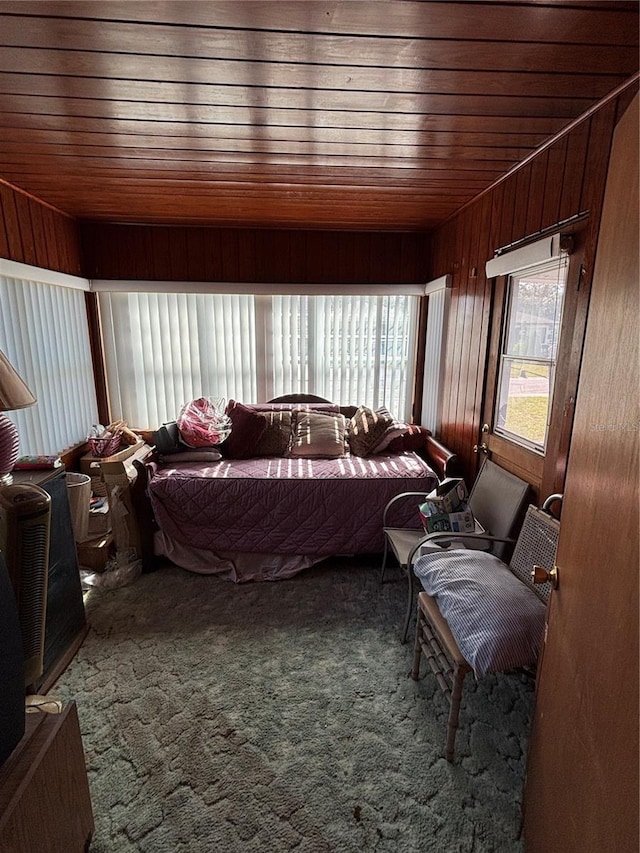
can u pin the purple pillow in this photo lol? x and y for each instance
(247, 428)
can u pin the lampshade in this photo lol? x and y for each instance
(14, 394)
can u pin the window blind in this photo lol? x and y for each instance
(163, 349)
(43, 332)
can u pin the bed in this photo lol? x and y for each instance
(269, 517)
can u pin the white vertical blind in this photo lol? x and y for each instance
(163, 349)
(434, 353)
(44, 334)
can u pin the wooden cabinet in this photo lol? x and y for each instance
(45, 804)
(66, 624)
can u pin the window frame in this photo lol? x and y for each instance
(545, 472)
(560, 264)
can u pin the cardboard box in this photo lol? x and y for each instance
(451, 522)
(118, 474)
(94, 554)
(449, 496)
(90, 464)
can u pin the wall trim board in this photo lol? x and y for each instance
(16, 269)
(336, 289)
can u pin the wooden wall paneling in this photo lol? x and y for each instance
(38, 234)
(475, 380)
(10, 215)
(280, 246)
(298, 252)
(148, 251)
(595, 175)
(4, 239)
(454, 339)
(34, 233)
(505, 234)
(536, 193)
(23, 209)
(229, 249)
(553, 183)
(497, 203)
(178, 265)
(213, 239)
(194, 240)
(64, 255)
(521, 205)
(573, 177)
(161, 236)
(312, 267)
(467, 287)
(73, 242)
(387, 261)
(49, 228)
(293, 256)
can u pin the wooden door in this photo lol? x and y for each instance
(581, 792)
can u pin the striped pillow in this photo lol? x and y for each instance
(367, 429)
(394, 430)
(497, 621)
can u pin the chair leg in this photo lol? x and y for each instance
(384, 559)
(459, 673)
(410, 603)
(417, 648)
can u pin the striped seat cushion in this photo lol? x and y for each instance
(497, 621)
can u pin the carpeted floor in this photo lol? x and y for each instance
(279, 717)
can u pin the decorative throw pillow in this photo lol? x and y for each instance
(317, 435)
(367, 429)
(414, 438)
(497, 621)
(275, 438)
(394, 430)
(247, 428)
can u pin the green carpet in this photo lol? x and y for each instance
(280, 717)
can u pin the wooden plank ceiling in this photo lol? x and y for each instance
(347, 115)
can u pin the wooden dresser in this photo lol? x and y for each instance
(45, 805)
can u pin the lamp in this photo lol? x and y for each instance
(14, 394)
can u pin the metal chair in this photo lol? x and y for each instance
(498, 501)
(532, 562)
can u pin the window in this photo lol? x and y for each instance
(163, 349)
(438, 293)
(528, 356)
(43, 332)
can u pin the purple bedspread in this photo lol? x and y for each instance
(288, 506)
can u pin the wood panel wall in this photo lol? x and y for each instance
(252, 255)
(566, 179)
(37, 234)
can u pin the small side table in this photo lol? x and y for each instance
(45, 803)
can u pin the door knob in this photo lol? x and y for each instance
(541, 575)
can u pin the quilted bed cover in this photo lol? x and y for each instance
(287, 506)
